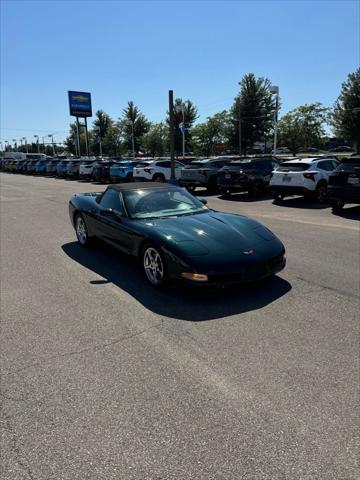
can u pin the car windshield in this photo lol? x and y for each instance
(161, 203)
(293, 167)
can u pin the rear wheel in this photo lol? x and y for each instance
(212, 185)
(158, 177)
(321, 193)
(278, 197)
(81, 230)
(256, 189)
(153, 265)
(129, 177)
(191, 188)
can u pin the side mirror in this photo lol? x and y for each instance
(203, 200)
(108, 212)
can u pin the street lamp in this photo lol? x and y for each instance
(52, 141)
(131, 123)
(37, 141)
(239, 119)
(26, 144)
(275, 91)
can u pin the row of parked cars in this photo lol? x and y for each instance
(318, 177)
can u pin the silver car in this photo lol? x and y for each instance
(202, 173)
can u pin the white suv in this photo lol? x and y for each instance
(305, 176)
(156, 170)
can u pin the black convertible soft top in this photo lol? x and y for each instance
(141, 186)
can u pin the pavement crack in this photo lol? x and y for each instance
(85, 350)
(325, 287)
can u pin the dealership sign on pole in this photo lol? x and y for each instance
(80, 104)
(80, 107)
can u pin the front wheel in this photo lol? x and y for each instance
(153, 265)
(191, 188)
(81, 231)
(337, 205)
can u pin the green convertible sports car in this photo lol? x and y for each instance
(175, 236)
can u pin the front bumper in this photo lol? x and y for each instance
(252, 273)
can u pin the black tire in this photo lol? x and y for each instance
(337, 205)
(129, 177)
(191, 188)
(159, 177)
(212, 185)
(256, 189)
(278, 197)
(156, 277)
(321, 192)
(81, 231)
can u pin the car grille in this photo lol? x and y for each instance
(252, 272)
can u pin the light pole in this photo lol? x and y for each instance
(98, 137)
(275, 90)
(26, 145)
(37, 141)
(21, 142)
(239, 120)
(52, 141)
(132, 137)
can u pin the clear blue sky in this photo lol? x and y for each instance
(122, 51)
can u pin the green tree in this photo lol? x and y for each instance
(216, 129)
(154, 142)
(303, 127)
(101, 123)
(112, 142)
(345, 117)
(71, 143)
(133, 122)
(190, 115)
(257, 107)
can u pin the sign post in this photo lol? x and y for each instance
(171, 115)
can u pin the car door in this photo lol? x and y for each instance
(112, 224)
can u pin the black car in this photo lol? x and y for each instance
(344, 183)
(101, 170)
(341, 148)
(175, 236)
(250, 175)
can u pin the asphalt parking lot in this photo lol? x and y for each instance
(105, 378)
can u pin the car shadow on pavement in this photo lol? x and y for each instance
(301, 202)
(351, 213)
(176, 301)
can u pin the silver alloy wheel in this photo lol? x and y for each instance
(153, 266)
(81, 230)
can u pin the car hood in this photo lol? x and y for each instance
(211, 233)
